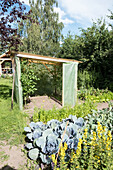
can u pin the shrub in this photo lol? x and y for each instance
(85, 79)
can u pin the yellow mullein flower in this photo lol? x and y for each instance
(53, 159)
(79, 147)
(108, 146)
(94, 136)
(62, 152)
(98, 123)
(99, 128)
(93, 142)
(65, 146)
(73, 156)
(98, 161)
(109, 149)
(77, 166)
(80, 140)
(109, 135)
(109, 154)
(104, 128)
(85, 135)
(97, 157)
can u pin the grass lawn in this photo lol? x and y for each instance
(12, 122)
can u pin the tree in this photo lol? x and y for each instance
(94, 48)
(43, 38)
(12, 12)
(71, 48)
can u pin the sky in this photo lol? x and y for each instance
(77, 14)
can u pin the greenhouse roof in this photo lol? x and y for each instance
(39, 58)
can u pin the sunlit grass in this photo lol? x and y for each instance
(12, 122)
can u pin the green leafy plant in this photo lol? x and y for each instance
(94, 154)
(95, 149)
(80, 110)
(94, 134)
(28, 78)
(104, 116)
(95, 95)
(85, 79)
(44, 139)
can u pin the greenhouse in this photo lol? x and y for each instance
(69, 75)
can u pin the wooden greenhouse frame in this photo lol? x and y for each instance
(69, 83)
(3, 58)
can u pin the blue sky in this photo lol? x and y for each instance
(77, 14)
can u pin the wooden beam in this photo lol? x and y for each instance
(5, 59)
(1, 62)
(47, 59)
(5, 54)
(43, 62)
(47, 68)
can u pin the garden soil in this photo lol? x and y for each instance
(12, 156)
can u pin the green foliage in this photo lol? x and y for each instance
(50, 80)
(94, 48)
(80, 110)
(28, 78)
(67, 49)
(94, 149)
(44, 36)
(85, 79)
(13, 121)
(105, 117)
(96, 154)
(95, 95)
(44, 139)
(71, 47)
(38, 80)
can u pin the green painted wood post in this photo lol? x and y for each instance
(18, 86)
(0, 68)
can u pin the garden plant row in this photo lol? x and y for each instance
(73, 142)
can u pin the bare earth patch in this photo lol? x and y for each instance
(103, 105)
(11, 156)
(44, 102)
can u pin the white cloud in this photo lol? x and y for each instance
(62, 16)
(86, 10)
(25, 1)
